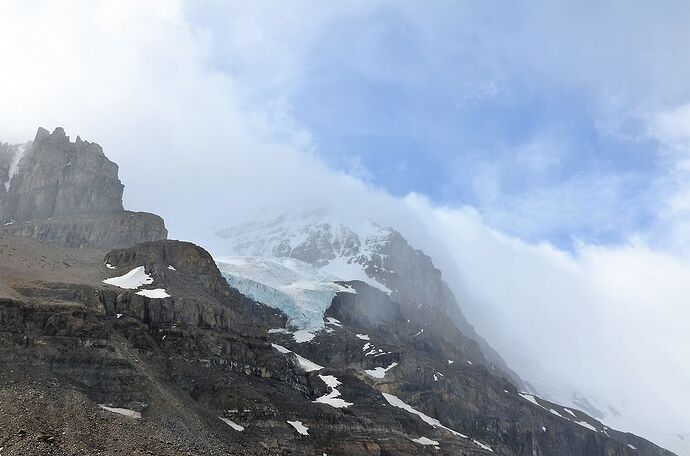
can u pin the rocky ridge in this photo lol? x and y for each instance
(68, 193)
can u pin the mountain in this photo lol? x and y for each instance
(69, 193)
(379, 256)
(158, 348)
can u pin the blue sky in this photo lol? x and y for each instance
(535, 115)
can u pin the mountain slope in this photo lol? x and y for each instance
(378, 256)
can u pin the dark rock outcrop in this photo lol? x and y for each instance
(69, 193)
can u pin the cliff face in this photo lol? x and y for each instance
(69, 193)
(59, 177)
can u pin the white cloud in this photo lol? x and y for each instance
(199, 107)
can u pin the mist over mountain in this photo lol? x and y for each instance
(536, 154)
(316, 336)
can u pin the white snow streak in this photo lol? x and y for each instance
(122, 411)
(299, 427)
(232, 424)
(396, 402)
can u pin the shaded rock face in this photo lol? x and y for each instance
(59, 177)
(69, 193)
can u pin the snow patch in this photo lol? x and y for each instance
(555, 412)
(156, 293)
(308, 366)
(132, 280)
(333, 321)
(122, 411)
(425, 441)
(362, 336)
(232, 424)
(586, 425)
(172, 268)
(380, 372)
(14, 166)
(483, 446)
(531, 398)
(281, 349)
(299, 427)
(333, 398)
(330, 380)
(433, 422)
(110, 266)
(302, 336)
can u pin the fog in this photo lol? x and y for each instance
(199, 145)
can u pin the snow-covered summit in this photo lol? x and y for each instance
(351, 251)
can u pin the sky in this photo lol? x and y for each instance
(538, 151)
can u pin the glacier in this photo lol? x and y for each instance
(298, 289)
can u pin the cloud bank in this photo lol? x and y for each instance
(196, 105)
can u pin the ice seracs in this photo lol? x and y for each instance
(298, 289)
